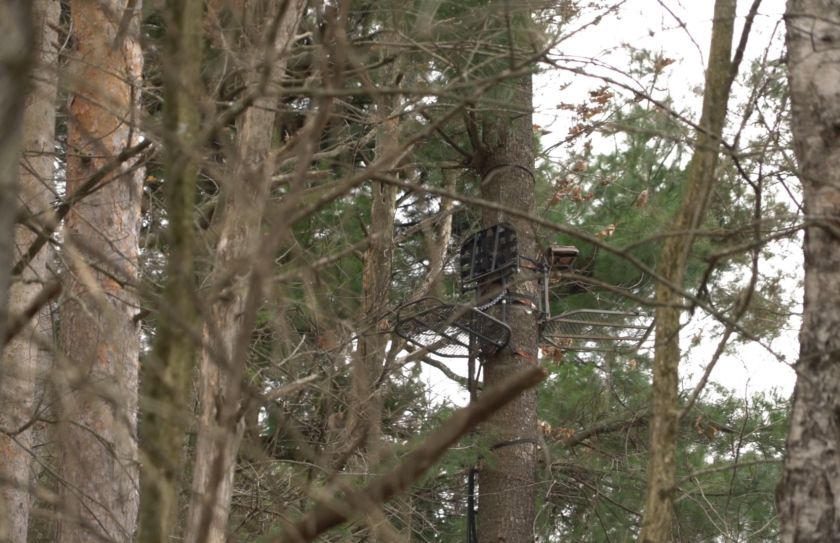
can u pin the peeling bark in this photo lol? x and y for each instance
(809, 495)
(99, 335)
(22, 356)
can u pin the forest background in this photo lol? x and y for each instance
(216, 219)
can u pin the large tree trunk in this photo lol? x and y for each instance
(15, 66)
(656, 522)
(809, 497)
(507, 490)
(226, 334)
(99, 333)
(20, 359)
(168, 372)
(16, 61)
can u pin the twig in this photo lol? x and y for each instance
(93, 183)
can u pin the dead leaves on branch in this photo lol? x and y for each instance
(566, 189)
(597, 103)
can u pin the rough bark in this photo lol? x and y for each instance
(168, 372)
(507, 490)
(809, 496)
(656, 522)
(21, 357)
(223, 360)
(99, 333)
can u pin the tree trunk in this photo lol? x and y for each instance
(507, 490)
(437, 237)
(20, 359)
(656, 522)
(168, 372)
(16, 62)
(367, 395)
(223, 358)
(376, 286)
(99, 333)
(809, 496)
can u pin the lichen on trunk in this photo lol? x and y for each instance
(168, 371)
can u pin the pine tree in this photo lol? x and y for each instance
(99, 337)
(656, 523)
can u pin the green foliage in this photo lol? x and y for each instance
(594, 489)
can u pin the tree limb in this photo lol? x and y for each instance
(329, 514)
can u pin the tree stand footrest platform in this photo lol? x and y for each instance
(451, 330)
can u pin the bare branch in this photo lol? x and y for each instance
(329, 514)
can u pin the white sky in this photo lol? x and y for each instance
(647, 24)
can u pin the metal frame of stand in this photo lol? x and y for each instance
(487, 259)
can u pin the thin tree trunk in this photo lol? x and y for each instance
(367, 398)
(99, 333)
(809, 496)
(376, 285)
(20, 359)
(437, 239)
(223, 361)
(656, 522)
(168, 372)
(507, 491)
